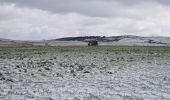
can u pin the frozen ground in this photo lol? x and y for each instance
(85, 73)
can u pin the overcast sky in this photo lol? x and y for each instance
(50, 19)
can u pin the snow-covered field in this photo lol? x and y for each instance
(85, 73)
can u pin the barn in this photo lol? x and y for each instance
(92, 42)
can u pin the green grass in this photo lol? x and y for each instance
(22, 52)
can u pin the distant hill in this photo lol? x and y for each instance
(113, 40)
(121, 40)
(2, 39)
(8, 42)
(81, 38)
(85, 38)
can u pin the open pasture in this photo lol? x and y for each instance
(85, 73)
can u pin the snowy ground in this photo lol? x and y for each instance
(85, 73)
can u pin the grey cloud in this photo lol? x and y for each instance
(139, 2)
(85, 7)
(45, 19)
(94, 8)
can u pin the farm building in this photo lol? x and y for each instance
(92, 42)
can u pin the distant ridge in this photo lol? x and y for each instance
(99, 38)
(2, 39)
(8, 42)
(112, 40)
(122, 40)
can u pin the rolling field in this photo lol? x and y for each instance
(85, 73)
